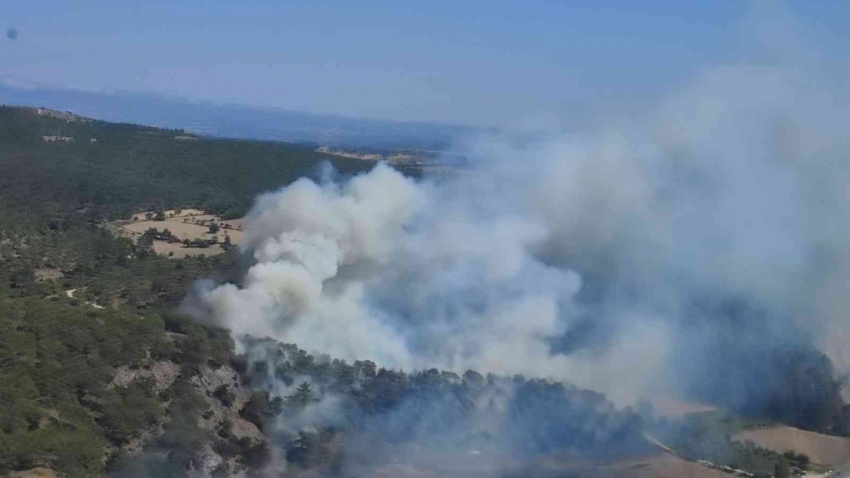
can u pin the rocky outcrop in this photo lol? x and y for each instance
(163, 373)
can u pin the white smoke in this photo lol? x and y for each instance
(571, 256)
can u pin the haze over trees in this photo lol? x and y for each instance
(84, 389)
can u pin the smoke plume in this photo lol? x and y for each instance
(635, 260)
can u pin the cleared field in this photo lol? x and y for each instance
(181, 229)
(190, 224)
(823, 449)
(39, 472)
(166, 248)
(658, 466)
(140, 216)
(653, 463)
(235, 223)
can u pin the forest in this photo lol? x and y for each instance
(60, 355)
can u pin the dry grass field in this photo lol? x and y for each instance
(663, 465)
(188, 224)
(38, 472)
(823, 449)
(659, 465)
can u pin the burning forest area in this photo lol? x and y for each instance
(656, 290)
(545, 302)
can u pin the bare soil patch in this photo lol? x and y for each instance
(236, 224)
(658, 466)
(177, 250)
(38, 472)
(47, 273)
(662, 465)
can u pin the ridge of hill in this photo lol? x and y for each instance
(114, 169)
(240, 121)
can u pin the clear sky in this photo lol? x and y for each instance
(488, 63)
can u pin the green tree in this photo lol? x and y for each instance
(224, 395)
(781, 470)
(302, 397)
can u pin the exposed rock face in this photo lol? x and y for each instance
(208, 381)
(163, 373)
(208, 460)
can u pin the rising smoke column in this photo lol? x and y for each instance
(630, 260)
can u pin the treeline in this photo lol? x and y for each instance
(379, 412)
(57, 362)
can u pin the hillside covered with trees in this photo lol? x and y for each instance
(101, 376)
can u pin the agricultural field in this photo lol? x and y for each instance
(821, 449)
(185, 228)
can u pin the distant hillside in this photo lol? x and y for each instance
(49, 161)
(235, 121)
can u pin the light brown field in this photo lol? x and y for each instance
(38, 472)
(140, 216)
(164, 248)
(659, 465)
(197, 218)
(822, 449)
(235, 223)
(662, 465)
(671, 407)
(181, 230)
(189, 224)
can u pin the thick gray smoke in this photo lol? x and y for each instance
(628, 260)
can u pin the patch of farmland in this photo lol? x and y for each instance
(823, 449)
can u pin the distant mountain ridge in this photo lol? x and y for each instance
(239, 121)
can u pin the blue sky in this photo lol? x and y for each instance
(491, 63)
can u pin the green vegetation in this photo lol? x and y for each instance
(133, 168)
(389, 408)
(782, 470)
(56, 361)
(59, 353)
(708, 436)
(55, 195)
(79, 307)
